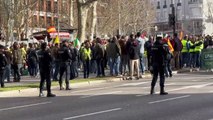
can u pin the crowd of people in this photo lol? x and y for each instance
(124, 56)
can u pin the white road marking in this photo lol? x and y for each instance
(211, 92)
(134, 84)
(24, 106)
(94, 113)
(87, 96)
(169, 99)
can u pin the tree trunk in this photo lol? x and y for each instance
(71, 13)
(82, 19)
(94, 20)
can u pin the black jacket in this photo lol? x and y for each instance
(64, 54)
(158, 53)
(45, 60)
(133, 49)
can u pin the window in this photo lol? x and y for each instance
(55, 7)
(158, 5)
(179, 3)
(49, 21)
(164, 6)
(48, 6)
(41, 5)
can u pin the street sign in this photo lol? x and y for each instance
(207, 59)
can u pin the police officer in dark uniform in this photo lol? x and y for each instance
(65, 59)
(158, 56)
(3, 64)
(45, 61)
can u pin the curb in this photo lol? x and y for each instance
(29, 91)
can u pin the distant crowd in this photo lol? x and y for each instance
(122, 55)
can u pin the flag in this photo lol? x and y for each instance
(57, 40)
(51, 29)
(181, 35)
(76, 43)
(171, 49)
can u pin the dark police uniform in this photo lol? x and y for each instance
(45, 61)
(65, 59)
(3, 63)
(158, 57)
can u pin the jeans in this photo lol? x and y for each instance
(93, 68)
(142, 62)
(198, 59)
(17, 74)
(73, 70)
(114, 65)
(32, 68)
(185, 59)
(56, 70)
(124, 64)
(100, 66)
(7, 72)
(168, 69)
(192, 59)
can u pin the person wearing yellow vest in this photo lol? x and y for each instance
(185, 51)
(86, 57)
(192, 52)
(198, 48)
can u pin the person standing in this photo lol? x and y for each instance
(8, 55)
(86, 59)
(142, 42)
(17, 60)
(158, 56)
(45, 62)
(65, 59)
(148, 46)
(177, 50)
(185, 52)
(100, 57)
(55, 61)
(133, 51)
(113, 51)
(3, 64)
(74, 62)
(198, 48)
(32, 60)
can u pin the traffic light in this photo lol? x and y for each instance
(171, 19)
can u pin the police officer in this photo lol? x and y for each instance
(158, 56)
(65, 59)
(45, 61)
(3, 64)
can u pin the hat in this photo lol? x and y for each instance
(159, 36)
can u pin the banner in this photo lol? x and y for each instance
(207, 59)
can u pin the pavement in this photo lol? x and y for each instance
(190, 98)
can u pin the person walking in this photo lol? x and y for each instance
(65, 59)
(159, 54)
(45, 62)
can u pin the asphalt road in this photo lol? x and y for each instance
(190, 98)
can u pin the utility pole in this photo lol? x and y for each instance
(174, 19)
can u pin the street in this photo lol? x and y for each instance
(190, 98)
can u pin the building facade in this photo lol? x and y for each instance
(47, 12)
(191, 16)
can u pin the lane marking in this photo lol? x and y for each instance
(134, 84)
(87, 96)
(169, 99)
(24, 106)
(91, 114)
